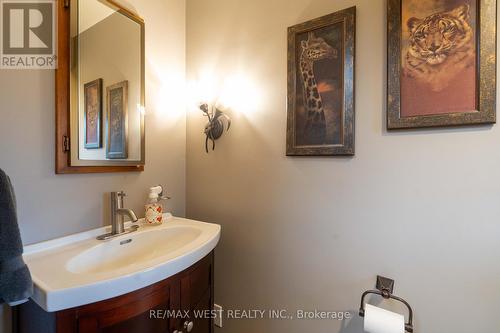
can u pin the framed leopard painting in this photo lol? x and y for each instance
(321, 86)
(441, 63)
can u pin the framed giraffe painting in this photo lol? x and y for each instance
(320, 109)
(441, 63)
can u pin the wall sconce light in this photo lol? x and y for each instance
(218, 122)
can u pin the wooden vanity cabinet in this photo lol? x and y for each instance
(142, 311)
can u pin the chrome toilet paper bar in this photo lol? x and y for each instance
(385, 288)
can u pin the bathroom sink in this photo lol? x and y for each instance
(139, 248)
(78, 269)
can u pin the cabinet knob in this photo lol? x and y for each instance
(188, 326)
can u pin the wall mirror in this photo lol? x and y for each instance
(99, 88)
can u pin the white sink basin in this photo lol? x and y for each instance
(78, 269)
(137, 248)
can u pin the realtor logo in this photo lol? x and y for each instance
(28, 34)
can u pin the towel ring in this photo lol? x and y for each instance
(385, 288)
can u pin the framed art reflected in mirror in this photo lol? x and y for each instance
(93, 114)
(117, 121)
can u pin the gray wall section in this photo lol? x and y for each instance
(421, 207)
(55, 205)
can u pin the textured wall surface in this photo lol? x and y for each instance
(421, 207)
(55, 205)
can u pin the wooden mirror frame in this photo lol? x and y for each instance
(63, 108)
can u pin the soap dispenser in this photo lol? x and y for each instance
(154, 209)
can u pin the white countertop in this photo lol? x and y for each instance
(78, 269)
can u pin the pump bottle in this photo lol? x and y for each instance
(154, 209)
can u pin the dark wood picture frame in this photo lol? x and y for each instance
(93, 102)
(62, 96)
(485, 112)
(117, 121)
(345, 22)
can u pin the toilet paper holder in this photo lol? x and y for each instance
(385, 288)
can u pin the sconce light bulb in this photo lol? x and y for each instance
(141, 109)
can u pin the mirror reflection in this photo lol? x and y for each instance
(107, 85)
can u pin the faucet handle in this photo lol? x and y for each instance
(164, 197)
(161, 196)
(121, 194)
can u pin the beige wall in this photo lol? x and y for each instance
(419, 206)
(52, 206)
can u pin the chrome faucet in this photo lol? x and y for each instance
(118, 217)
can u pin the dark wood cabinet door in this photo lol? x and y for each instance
(128, 317)
(137, 324)
(197, 297)
(202, 324)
